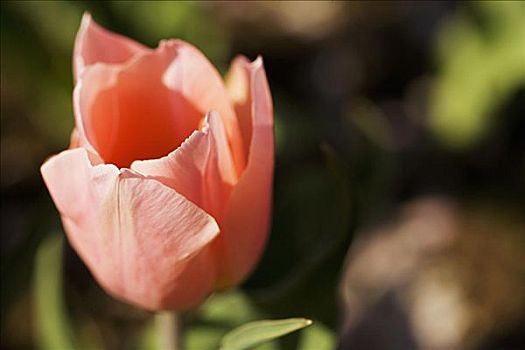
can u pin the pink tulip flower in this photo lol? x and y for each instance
(165, 192)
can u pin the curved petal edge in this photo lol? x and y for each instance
(247, 215)
(95, 44)
(143, 242)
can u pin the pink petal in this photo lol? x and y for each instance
(95, 44)
(201, 169)
(127, 113)
(74, 139)
(100, 78)
(247, 216)
(195, 78)
(143, 242)
(238, 87)
(146, 108)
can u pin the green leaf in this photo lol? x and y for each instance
(52, 323)
(255, 333)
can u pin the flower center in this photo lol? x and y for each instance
(139, 120)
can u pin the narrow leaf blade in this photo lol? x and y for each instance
(255, 333)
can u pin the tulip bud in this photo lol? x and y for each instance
(165, 192)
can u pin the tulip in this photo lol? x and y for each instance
(165, 192)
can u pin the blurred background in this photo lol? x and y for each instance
(399, 203)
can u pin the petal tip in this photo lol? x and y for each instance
(258, 62)
(87, 23)
(86, 18)
(94, 43)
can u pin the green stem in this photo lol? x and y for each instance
(169, 325)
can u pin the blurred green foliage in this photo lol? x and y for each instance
(481, 65)
(54, 331)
